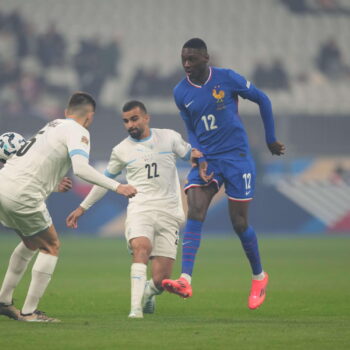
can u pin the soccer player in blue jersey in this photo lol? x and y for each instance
(208, 102)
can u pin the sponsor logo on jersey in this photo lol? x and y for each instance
(148, 157)
(85, 140)
(189, 104)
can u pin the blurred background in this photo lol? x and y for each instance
(297, 51)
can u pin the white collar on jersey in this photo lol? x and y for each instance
(73, 120)
(142, 140)
(199, 86)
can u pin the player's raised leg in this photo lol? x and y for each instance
(161, 269)
(141, 249)
(198, 199)
(239, 217)
(18, 264)
(48, 244)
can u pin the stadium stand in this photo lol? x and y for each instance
(125, 49)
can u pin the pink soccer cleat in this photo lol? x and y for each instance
(180, 287)
(258, 292)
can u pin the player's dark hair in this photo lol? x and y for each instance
(195, 43)
(80, 99)
(128, 106)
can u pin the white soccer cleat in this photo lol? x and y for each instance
(136, 313)
(149, 304)
(148, 301)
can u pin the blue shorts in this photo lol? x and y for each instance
(238, 176)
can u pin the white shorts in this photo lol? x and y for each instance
(25, 220)
(162, 230)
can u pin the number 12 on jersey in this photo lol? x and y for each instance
(247, 178)
(209, 122)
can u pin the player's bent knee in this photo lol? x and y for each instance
(51, 247)
(240, 225)
(29, 244)
(196, 213)
(140, 254)
(140, 251)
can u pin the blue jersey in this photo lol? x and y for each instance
(210, 112)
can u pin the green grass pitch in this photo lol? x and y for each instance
(307, 304)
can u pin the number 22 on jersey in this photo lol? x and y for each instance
(151, 174)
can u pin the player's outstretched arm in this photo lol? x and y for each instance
(85, 171)
(72, 218)
(276, 148)
(95, 194)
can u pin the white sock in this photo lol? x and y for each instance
(18, 263)
(187, 277)
(42, 271)
(151, 289)
(259, 277)
(138, 281)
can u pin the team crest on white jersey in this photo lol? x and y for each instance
(85, 140)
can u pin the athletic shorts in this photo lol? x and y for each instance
(27, 221)
(238, 177)
(162, 230)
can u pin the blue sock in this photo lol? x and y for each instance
(190, 244)
(250, 246)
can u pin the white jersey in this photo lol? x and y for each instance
(150, 167)
(36, 170)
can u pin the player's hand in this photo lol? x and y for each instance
(65, 185)
(72, 218)
(276, 148)
(203, 168)
(195, 154)
(126, 190)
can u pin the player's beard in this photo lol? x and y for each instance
(135, 133)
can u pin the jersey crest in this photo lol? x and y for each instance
(85, 140)
(219, 96)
